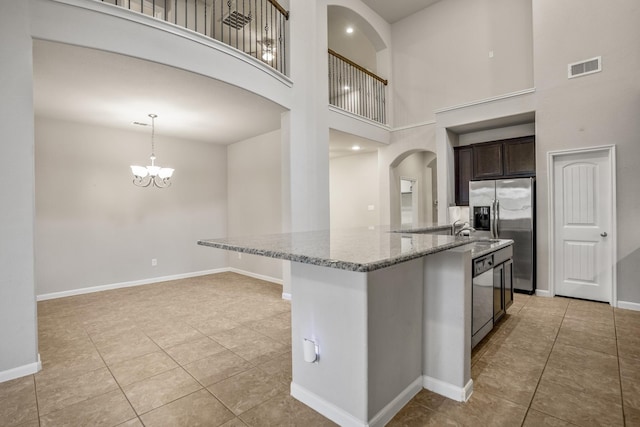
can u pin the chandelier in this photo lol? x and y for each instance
(144, 176)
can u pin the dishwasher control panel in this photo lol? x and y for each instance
(482, 264)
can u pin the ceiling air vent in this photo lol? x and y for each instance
(236, 20)
(582, 68)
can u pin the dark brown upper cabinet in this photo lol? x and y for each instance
(520, 157)
(487, 160)
(492, 160)
(463, 160)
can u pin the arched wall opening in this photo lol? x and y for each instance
(413, 182)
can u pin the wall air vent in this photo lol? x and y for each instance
(582, 68)
(236, 20)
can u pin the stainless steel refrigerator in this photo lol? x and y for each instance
(505, 209)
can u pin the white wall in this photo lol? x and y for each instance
(441, 55)
(354, 186)
(255, 193)
(593, 110)
(94, 227)
(18, 326)
(496, 134)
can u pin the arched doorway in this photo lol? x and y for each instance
(413, 182)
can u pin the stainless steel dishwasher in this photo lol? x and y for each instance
(482, 309)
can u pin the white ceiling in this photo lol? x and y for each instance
(395, 10)
(341, 144)
(96, 87)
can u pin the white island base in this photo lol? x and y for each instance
(381, 335)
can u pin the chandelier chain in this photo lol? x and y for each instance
(153, 134)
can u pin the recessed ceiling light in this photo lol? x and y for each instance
(355, 147)
(349, 30)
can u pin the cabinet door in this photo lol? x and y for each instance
(487, 161)
(498, 292)
(520, 157)
(508, 284)
(463, 173)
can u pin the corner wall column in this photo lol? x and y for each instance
(18, 323)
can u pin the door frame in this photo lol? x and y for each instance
(552, 156)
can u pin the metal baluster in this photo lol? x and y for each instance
(332, 81)
(255, 35)
(229, 15)
(244, 49)
(351, 90)
(365, 96)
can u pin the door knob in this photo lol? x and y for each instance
(603, 234)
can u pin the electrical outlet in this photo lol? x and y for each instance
(239, 255)
(371, 207)
(154, 262)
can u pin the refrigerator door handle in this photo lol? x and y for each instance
(497, 228)
(493, 219)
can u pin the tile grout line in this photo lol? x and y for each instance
(114, 379)
(188, 373)
(203, 387)
(35, 392)
(545, 367)
(615, 334)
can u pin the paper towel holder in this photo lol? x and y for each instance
(310, 351)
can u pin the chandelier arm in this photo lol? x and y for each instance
(142, 182)
(161, 182)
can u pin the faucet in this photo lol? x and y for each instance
(464, 228)
(453, 226)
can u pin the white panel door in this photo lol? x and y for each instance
(582, 217)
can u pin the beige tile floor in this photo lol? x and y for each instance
(216, 351)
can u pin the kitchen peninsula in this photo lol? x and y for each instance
(387, 314)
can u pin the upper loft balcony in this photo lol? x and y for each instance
(255, 27)
(358, 61)
(355, 89)
(260, 29)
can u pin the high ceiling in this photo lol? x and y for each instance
(96, 87)
(394, 11)
(89, 86)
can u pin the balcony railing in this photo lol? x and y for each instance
(256, 27)
(356, 89)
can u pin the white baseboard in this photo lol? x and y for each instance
(92, 289)
(629, 305)
(460, 394)
(256, 276)
(21, 371)
(543, 293)
(392, 408)
(343, 418)
(286, 296)
(329, 410)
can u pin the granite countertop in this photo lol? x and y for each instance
(421, 228)
(358, 249)
(481, 247)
